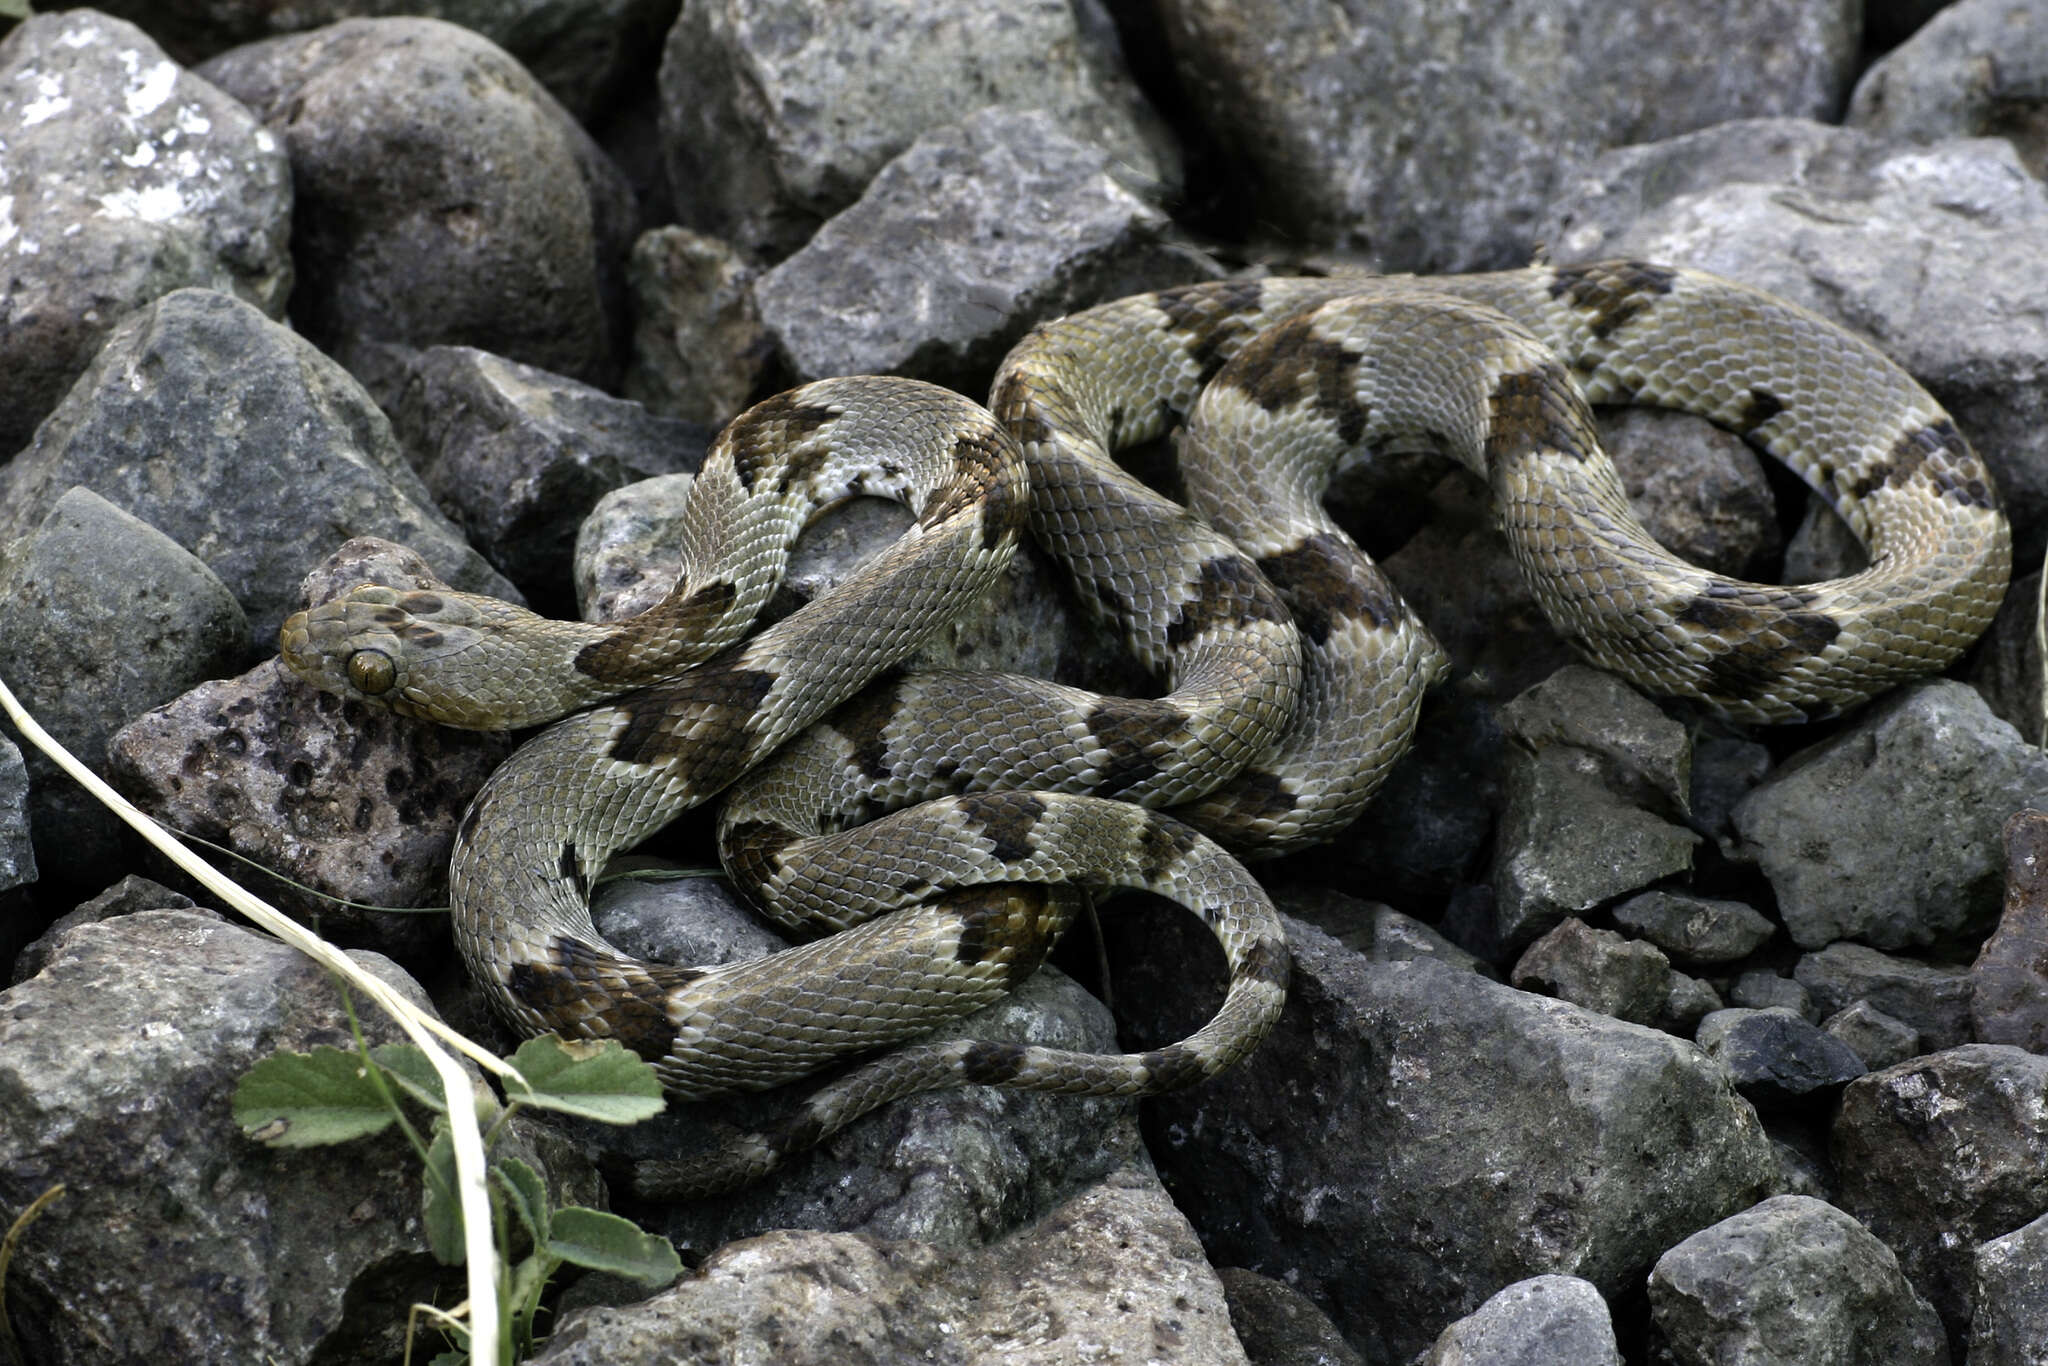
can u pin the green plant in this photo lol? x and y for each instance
(333, 1095)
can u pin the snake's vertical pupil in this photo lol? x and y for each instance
(371, 671)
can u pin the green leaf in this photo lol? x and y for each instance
(439, 1207)
(592, 1079)
(407, 1068)
(302, 1100)
(526, 1193)
(605, 1242)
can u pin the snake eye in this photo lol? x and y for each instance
(371, 672)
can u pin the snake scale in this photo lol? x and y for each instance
(941, 821)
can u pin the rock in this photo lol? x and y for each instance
(518, 456)
(1877, 1038)
(2010, 1318)
(1115, 1273)
(1924, 249)
(1888, 831)
(775, 116)
(17, 853)
(1802, 1153)
(1791, 1282)
(1487, 1134)
(1380, 932)
(304, 783)
(1697, 928)
(102, 617)
(1321, 109)
(699, 350)
(122, 178)
(1942, 1152)
(2006, 666)
(630, 548)
(1762, 989)
(1934, 998)
(2009, 980)
(130, 894)
(1700, 490)
(692, 921)
(1543, 1321)
(1978, 68)
(975, 232)
(1724, 771)
(1599, 970)
(1777, 1056)
(1687, 1003)
(1280, 1326)
(444, 198)
(1582, 824)
(231, 435)
(118, 1063)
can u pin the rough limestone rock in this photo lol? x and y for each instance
(1543, 1321)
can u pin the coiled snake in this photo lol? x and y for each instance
(1294, 671)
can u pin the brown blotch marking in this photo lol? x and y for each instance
(1291, 362)
(760, 436)
(992, 1064)
(1760, 407)
(1172, 1068)
(1772, 631)
(1611, 292)
(1011, 923)
(422, 603)
(1131, 731)
(1326, 580)
(1255, 792)
(1937, 453)
(1266, 961)
(717, 701)
(571, 869)
(1162, 843)
(1229, 591)
(1529, 411)
(865, 720)
(1217, 316)
(568, 985)
(981, 456)
(1005, 820)
(615, 659)
(752, 850)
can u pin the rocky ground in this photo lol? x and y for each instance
(1617, 1033)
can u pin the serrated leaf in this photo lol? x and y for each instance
(302, 1100)
(526, 1193)
(605, 1242)
(591, 1079)
(406, 1067)
(440, 1209)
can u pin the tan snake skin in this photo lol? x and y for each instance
(1294, 671)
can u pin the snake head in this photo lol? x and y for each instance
(437, 655)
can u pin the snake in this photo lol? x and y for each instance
(935, 831)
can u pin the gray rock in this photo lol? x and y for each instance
(235, 438)
(699, 350)
(122, 178)
(2009, 1321)
(1598, 969)
(1887, 832)
(1803, 1165)
(1280, 1326)
(1378, 931)
(303, 783)
(694, 921)
(130, 894)
(518, 456)
(776, 115)
(2006, 666)
(1115, 1273)
(1595, 767)
(1778, 1057)
(1700, 929)
(1543, 1321)
(102, 617)
(1942, 1152)
(2009, 980)
(1724, 770)
(583, 51)
(1321, 107)
(1700, 490)
(1791, 1282)
(975, 232)
(1980, 67)
(1877, 1038)
(1687, 1003)
(444, 199)
(1926, 250)
(1762, 989)
(17, 850)
(1414, 1137)
(630, 548)
(1934, 998)
(117, 1067)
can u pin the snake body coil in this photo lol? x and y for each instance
(1294, 671)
